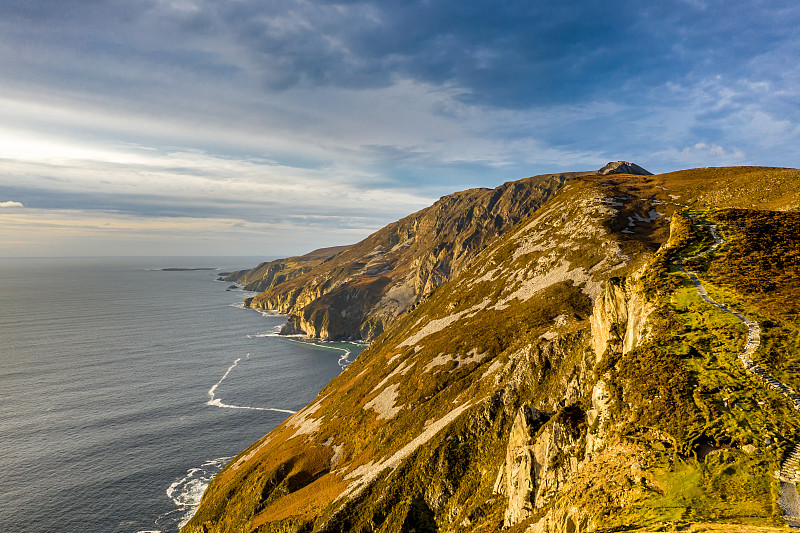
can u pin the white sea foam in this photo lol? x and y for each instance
(276, 332)
(268, 312)
(187, 491)
(264, 312)
(216, 402)
(344, 359)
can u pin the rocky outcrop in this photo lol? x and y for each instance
(538, 463)
(623, 167)
(558, 451)
(619, 317)
(516, 479)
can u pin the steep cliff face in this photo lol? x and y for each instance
(272, 273)
(362, 290)
(566, 379)
(620, 316)
(539, 463)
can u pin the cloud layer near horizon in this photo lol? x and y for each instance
(286, 125)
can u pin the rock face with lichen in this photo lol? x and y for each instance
(561, 379)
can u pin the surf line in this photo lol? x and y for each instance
(216, 402)
(186, 492)
(344, 360)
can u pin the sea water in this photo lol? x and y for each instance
(125, 388)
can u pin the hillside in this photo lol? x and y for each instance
(359, 292)
(568, 377)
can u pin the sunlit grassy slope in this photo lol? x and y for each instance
(672, 433)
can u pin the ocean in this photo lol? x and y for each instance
(125, 388)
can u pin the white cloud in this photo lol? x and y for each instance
(11, 204)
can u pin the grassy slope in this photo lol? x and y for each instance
(677, 398)
(701, 398)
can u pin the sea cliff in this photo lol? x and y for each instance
(560, 374)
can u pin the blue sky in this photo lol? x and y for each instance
(252, 127)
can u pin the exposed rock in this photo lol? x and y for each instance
(619, 317)
(598, 415)
(516, 479)
(442, 423)
(623, 167)
(557, 452)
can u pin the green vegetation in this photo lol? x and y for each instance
(701, 396)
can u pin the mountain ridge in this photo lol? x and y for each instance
(523, 394)
(359, 292)
(357, 295)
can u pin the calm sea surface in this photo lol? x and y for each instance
(124, 388)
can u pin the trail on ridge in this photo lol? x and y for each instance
(788, 500)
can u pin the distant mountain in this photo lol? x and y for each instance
(568, 376)
(623, 167)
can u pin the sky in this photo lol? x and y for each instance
(270, 128)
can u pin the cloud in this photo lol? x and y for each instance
(71, 232)
(512, 54)
(305, 116)
(11, 204)
(327, 82)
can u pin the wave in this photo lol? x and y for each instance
(264, 312)
(276, 332)
(216, 402)
(186, 492)
(268, 312)
(344, 359)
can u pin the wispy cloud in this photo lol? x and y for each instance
(295, 118)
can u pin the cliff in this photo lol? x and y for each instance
(272, 273)
(363, 289)
(566, 378)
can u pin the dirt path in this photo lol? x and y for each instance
(789, 501)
